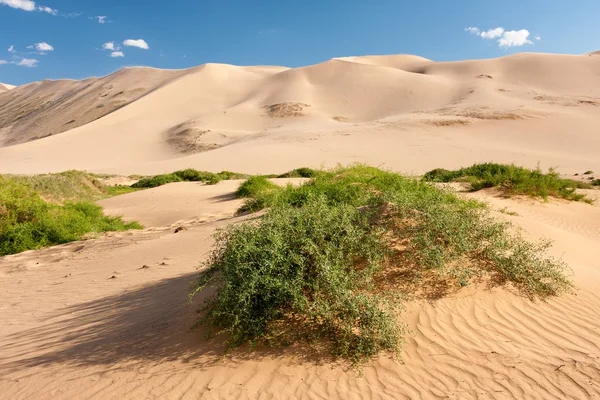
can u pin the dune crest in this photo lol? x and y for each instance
(145, 120)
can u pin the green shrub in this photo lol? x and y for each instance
(187, 175)
(511, 180)
(330, 258)
(28, 222)
(595, 182)
(588, 172)
(256, 185)
(300, 173)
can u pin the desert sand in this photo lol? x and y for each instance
(108, 318)
(523, 108)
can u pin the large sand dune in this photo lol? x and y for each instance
(404, 112)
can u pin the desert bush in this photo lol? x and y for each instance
(28, 222)
(254, 186)
(329, 256)
(187, 175)
(300, 173)
(511, 180)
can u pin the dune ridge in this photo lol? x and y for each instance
(143, 120)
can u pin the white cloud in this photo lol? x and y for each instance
(27, 62)
(43, 46)
(11, 49)
(26, 5)
(505, 38)
(48, 10)
(139, 43)
(109, 46)
(3, 62)
(101, 19)
(515, 38)
(493, 33)
(116, 54)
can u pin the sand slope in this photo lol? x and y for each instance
(405, 112)
(4, 87)
(107, 318)
(46, 108)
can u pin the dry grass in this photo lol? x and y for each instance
(340, 119)
(288, 109)
(448, 122)
(189, 140)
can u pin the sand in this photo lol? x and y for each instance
(108, 318)
(524, 108)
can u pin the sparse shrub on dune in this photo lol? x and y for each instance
(329, 260)
(28, 222)
(186, 175)
(512, 180)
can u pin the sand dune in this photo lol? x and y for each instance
(107, 318)
(4, 87)
(217, 116)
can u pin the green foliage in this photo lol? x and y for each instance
(70, 186)
(511, 180)
(28, 222)
(300, 173)
(186, 175)
(595, 182)
(255, 186)
(588, 172)
(331, 257)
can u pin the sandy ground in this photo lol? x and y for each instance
(107, 319)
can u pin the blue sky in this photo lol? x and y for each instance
(64, 38)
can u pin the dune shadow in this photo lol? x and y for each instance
(146, 325)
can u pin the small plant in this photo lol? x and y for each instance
(588, 172)
(255, 186)
(508, 212)
(330, 259)
(300, 173)
(512, 180)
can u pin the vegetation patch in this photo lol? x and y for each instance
(69, 186)
(329, 260)
(512, 180)
(28, 222)
(186, 175)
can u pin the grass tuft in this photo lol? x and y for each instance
(255, 186)
(329, 260)
(512, 180)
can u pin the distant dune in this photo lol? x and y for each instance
(4, 87)
(346, 109)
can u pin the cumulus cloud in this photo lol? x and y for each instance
(3, 62)
(515, 38)
(139, 43)
(492, 33)
(27, 62)
(11, 49)
(109, 46)
(43, 46)
(116, 54)
(102, 19)
(505, 38)
(538, 38)
(28, 5)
